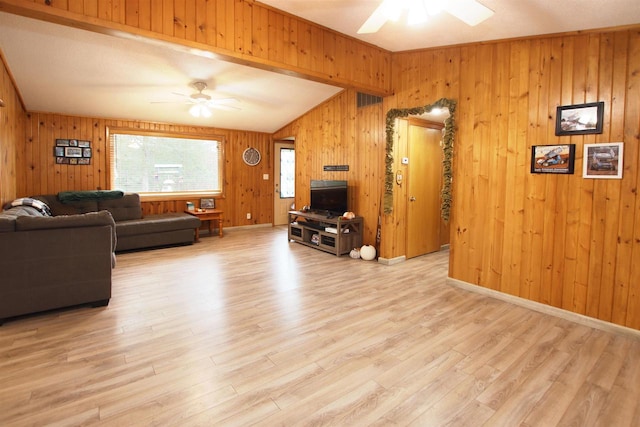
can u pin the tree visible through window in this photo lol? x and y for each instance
(144, 163)
(287, 173)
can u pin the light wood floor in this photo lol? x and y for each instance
(251, 329)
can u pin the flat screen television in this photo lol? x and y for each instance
(329, 197)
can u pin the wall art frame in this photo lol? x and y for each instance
(557, 158)
(207, 204)
(580, 119)
(603, 160)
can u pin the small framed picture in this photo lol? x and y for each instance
(73, 160)
(58, 151)
(603, 160)
(62, 142)
(86, 152)
(553, 158)
(73, 152)
(207, 204)
(580, 119)
(84, 144)
(73, 142)
(62, 160)
(84, 161)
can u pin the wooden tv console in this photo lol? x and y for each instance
(335, 235)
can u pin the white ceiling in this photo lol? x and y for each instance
(71, 71)
(512, 18)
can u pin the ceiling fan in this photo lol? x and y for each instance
(201, 103)
(469, 11)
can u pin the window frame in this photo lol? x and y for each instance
(175, 195)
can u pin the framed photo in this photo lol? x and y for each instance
(73, 142)
(603, 160)
(84, 161)
(553, 158)
(73, 152)
(207, 204)
(62, 160)
(62, 142)
(86, 152)
(58, 151)
(580, 119)
(84, 143)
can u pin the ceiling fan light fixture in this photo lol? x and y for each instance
(199, 110)
(417, 13)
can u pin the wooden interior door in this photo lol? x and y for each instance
(281, 206)
(424, 183)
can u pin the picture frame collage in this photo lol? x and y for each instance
(600, 160)
(72, 152)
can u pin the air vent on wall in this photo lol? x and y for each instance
(364, 99)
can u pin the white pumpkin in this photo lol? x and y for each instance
(349, 215)
(367, 252)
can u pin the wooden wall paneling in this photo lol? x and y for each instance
(90, 8)
(180, 19)
(205, 22)
(260, 32)
(626, 98)
(582, 204)
(12, 135)
(277, 37)
(603, 244)
(539, 107)
(572, 196)
(555, 214)
(529, 215)
(132, 13)
(499, 134)
(631, 232)
(483, 154)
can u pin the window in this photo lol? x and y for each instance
(161, 164)
(287, 173)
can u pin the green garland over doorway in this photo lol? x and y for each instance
(447, 149)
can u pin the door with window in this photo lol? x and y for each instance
(284, 171)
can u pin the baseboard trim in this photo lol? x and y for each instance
(546, 309)
(392, 261)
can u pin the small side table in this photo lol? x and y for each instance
(208, 215)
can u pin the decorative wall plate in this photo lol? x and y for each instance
(251, 156)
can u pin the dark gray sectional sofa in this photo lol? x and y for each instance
(65, 258)
(134, 231)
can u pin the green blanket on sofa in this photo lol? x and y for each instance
(77, 196)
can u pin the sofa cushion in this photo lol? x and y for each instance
(157, 224)
(123, 209)
(71, 208)
(64, 221)
(8, 217)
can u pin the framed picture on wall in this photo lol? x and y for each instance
(207, 204)
(580, 119)
(553, 158)
(72, 152)
(603, 160)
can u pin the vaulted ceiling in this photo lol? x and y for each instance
(73, 71)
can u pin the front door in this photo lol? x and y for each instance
(424, 183)
(283, 181)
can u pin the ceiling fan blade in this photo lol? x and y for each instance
(378, 17)
(469, 11)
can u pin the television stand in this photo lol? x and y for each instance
(335, 235)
